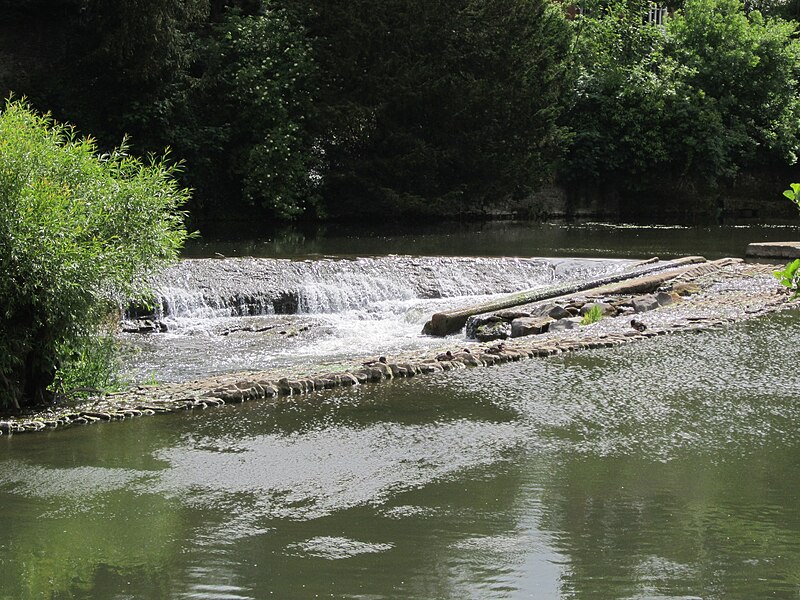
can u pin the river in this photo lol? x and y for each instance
(664, 469)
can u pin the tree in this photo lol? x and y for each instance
(712, 92)
(79, 231)
(437, 102)
(243, 125)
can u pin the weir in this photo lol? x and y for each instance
(222, 315)
(213, 288)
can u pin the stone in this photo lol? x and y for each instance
(529, 326)
(782, 250)
(349, 379)
(476, 322)
(143, 326)
(510, 314)
(664, 299)
(644, 303)
(559, 312)
(565, 324)
(686, 289)
(488, 332)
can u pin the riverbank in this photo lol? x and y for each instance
(701, 299)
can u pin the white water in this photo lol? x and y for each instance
(342, 308)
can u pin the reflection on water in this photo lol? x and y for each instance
(665, 469)
(495, 238)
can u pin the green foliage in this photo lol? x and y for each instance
(78, 233)
(711, 92)
(789, 276)
(793, 193)
(593, 315)
(254, 99)
(448, 102)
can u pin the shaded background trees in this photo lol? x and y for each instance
(711, 92)
(338, 108)
(287, 109)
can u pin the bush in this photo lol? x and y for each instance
(710, 93)
(79, 232)
(789, 276)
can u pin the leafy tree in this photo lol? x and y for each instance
(243, 125)
(712, 92)
(446, 101)
(78, 232)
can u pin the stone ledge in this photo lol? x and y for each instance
(782, 250)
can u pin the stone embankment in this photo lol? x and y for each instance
(712, 295)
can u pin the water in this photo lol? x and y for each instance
(497, 238)
(660, 470)
(242, 314)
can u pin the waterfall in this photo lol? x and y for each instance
(224, 315)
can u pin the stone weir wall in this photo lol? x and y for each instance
(258, 286)
(720, 294)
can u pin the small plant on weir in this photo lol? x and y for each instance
(593, 315)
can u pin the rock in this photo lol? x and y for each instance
(529, 326)
(511, 314)
(143, 326)
(349, 379)
(644, 303)
(782, 250)
(573, 310)
(664, 299)
(606, 309)
(488, 332)
(565, 324)
(559, 312)
(477, 321)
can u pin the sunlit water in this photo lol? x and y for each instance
(666, 469)
(345, 308)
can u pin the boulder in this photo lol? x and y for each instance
(144, 326)
(529, 326)
(644, 303)
(510, 314)
(685, 289)
(477, 321)
(559, 312)
(498, 330)
(664, 299)
(606, 309)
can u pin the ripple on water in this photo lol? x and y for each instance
(335, 548)
(712, 391)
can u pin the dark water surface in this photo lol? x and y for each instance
(665, 469)
(496, 238)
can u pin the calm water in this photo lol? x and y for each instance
(498, 238)
(668, 469)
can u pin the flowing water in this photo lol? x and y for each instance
(665, 469)
(237, 314)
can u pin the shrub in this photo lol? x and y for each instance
(789, 276)
(78, 233)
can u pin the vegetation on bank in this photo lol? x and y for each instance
(288, 109)
(79, 230)
(789, 276)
